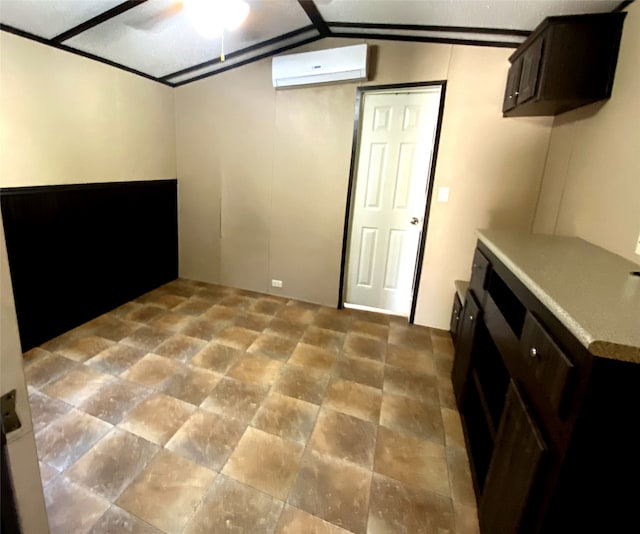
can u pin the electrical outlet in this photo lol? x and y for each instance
(276, 283)
(638, 246)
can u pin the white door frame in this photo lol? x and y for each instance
(359, 108)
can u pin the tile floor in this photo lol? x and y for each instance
(202, 409)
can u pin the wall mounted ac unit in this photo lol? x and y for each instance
(322, 66)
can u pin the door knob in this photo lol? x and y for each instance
(415, 220)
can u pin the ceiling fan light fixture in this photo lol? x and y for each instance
(209, 17)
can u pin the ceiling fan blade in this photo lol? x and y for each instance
(155, 22)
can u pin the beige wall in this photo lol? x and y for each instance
(591, 186)
(67, 119)
(263, 174)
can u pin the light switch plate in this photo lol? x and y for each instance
(638, 246)
(443, 194)
(276, 283)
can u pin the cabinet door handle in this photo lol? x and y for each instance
(470, 317)
(533, 352)
(517, 93)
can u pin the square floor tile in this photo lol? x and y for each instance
(336, 320)
(116, 359)
(144, 313)
(147, 337)
(118, 521)
(203, 328)
(323, 338)
(65, 440)
(361, 370)
(220, 315)
(302, 383)
(417, 361)
(167, 492)
(266, 306)
(207, 439)
(190, 384)
(398, 508)
(255, 369)
(236, 302)
(286, 417)
(354, 399)
(45, 409)
(265, 462)
(231, 507)
(157, 418)
(77, 385)
(84, 348)
(297, 314)
(171, 320)
(112, 463)
(365, 347)
(193, 306)
(151, 370)
(466, 519)
(405, 414)
(412, 461)
(295, 521)
(276, 347)
(253, 321)
(453, 433)
(47, 473)
(313, 357)
(236, 337)
(460, 475)
(179, 347)
(47, 369)
(411, 384)
(286, 328)
(369, 329)
(334, 490)
(411, 336)
(71, 508)
(235, 399)
(114, 400)
(215, 357)
(344, 437)
(117, 329)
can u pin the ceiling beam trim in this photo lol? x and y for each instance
(426, 39)
(421, 28)
(315, 17)
(98, 19)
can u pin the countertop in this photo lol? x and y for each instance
(589, 289)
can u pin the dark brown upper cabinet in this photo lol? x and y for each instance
(565, 63)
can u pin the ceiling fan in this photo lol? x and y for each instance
(210, 18)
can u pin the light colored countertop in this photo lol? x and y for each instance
(589, 289)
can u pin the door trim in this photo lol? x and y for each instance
(352, 171)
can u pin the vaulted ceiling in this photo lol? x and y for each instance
(157, 39)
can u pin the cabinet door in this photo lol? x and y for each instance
(515, 465)
(513, 81)
(455, 317)
(480, 273)
(464, 346)
(531, 59)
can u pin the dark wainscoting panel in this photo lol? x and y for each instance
(78, 251)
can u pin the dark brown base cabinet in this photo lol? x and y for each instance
(553, 432)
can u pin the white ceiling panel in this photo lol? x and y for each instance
(48, 18)
(146, 40)
(502, 14)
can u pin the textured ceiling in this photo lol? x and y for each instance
(155, 38)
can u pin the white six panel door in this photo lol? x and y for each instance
(396, 147)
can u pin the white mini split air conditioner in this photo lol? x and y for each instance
(323, 66)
